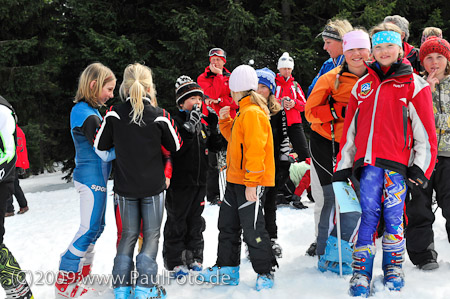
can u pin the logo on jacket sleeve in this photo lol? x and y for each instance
(365, 88)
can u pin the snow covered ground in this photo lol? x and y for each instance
(38, 237)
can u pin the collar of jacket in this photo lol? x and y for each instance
(145, 100)
(245, 102)
(281, 81)
(409, 50)
(209, 74)
(346, 72)
(398, 69)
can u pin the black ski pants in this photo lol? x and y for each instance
(6, 189)
(419, 233)
(298, 139)
(238, 215)
(183, 231)
(18, 193)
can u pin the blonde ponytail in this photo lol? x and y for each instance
(137, 84)
(255, 98)
(259, 100)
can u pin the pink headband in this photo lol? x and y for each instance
(356, 39)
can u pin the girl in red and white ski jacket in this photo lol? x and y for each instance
(389, 124)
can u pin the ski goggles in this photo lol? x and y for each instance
(217, 52)
(287, 59)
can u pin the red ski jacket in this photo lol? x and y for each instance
(389, 123)
(21, 150)
(294, 92)
(216, 87)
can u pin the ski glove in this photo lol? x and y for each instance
(416, 174)
(212, 118)
(193, 121)
(337, 109)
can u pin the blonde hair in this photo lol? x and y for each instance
(137, 84)
(341, 26)
(431, 31)
(273, 104)
(98, 73)
(255, 98)
(387, 27)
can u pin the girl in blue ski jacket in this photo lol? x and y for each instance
(92, 168)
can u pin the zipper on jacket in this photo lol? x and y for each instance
(439, 120)
(199, 159)
(242, 154)
(405, 126)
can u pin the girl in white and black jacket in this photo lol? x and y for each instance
(137, 130)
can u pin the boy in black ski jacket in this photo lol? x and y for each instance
(185, 198)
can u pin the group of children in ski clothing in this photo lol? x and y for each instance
(138, 128)
(387, 141)
(382, 155)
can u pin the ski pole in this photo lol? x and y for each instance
(336, 203)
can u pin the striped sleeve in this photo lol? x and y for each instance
(171, 138)
(104, 139)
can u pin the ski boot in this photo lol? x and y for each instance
(155, 292)
(22, 291)
(276, 248)
(179, 271)
(330, 260)
(196, 266)
(220, 275)
(123, 293)
(362, 271)
(68, 285)
(392, 268)
(264, 281)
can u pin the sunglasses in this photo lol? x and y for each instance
(284, 59)
(217, 52)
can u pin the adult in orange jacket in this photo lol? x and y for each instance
(325, 110)
(250, 167)
(21, 165)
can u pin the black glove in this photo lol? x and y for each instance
(212, 118)
(193, 120)
(342, 175)
(416, 174)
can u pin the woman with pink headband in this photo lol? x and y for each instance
(325, 110)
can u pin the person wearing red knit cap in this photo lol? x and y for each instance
(435, 57)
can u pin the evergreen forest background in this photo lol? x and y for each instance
(45, 45)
